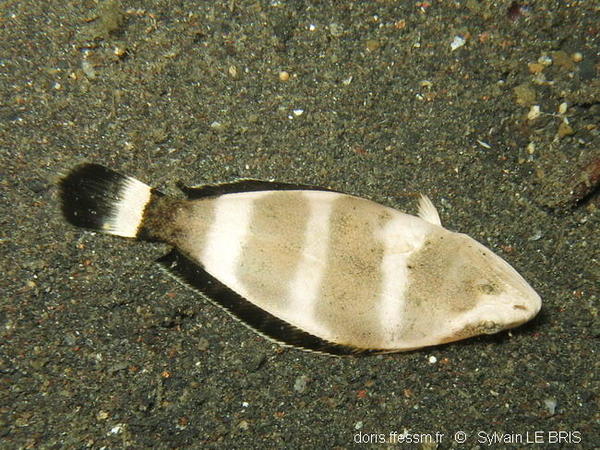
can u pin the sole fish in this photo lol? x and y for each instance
(309, 267)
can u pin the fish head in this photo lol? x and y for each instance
(498, 296)
(459, 289)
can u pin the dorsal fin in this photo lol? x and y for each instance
(195, 277)
(427, 211)
(214, 190)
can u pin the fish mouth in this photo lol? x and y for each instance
(491, 319)
(527, 299)
(531, 311)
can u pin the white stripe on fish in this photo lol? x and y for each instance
(305, 286)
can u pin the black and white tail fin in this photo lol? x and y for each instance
(101, 199)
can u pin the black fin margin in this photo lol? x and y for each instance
(214, 190)
(88, 194)
(193, 275)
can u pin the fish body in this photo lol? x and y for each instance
(310, 267)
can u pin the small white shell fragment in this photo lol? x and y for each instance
(545, 60)
(88, 69)
(457, 42)
(562, 108)
(119, 51)
(117, 429)
(432, 359)
(233, 71)
(300, 383)
(551, 404)
(534, 112)
(577, 57)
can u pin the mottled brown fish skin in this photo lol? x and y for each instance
(275, 240)
(352, 282)
(181, 223)
(437, 272)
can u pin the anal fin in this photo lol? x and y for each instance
(197, 278)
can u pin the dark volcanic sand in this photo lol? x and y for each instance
(99, 348)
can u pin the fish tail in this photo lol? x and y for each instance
(101, 199)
